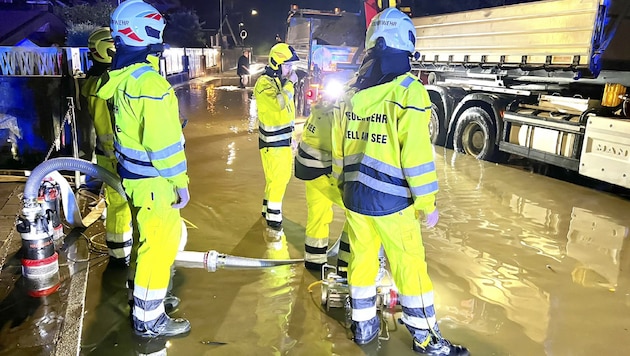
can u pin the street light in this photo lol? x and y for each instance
(254, 12)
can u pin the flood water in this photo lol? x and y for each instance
(522, 264)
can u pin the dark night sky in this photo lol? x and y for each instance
(272, 14)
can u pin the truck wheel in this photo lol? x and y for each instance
(474, 134)
(436, 131)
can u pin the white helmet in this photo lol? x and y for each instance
(395, 28)
(137, 24)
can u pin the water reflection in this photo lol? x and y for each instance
(211, 99)
(516, 239)
(275, 302)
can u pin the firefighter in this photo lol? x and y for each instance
(313, 165)
(384, 158)
(276, 113)
(148, 144)
(118, 234)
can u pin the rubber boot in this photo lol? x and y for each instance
(172, 327)
(439, 347)
(366, 331)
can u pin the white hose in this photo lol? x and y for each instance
(212, 260)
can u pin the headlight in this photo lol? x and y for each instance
(333, 90)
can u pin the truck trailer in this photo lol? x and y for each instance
(545, 80)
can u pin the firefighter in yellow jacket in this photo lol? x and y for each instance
(148, 143)
(118, 236)
(384, 159)
(276, 114)
(313, 165)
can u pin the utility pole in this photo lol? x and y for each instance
(221, 19)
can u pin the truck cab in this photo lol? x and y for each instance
(330, 45)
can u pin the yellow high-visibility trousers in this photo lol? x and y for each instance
(157, 233)
(118, 235)
(277, 165)
(321, 194)
(400, 235)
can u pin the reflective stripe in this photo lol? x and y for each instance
(140, 71)
(131, 153)
(275, 128)
(362, 292)
(419, 310)
(274, 212)
(147, 96)
(173, 171)
(316, 257)
(375, 164)
(312, 163)
(363, 302)
(315, 242)
(419, 170)
(416, 301)
(338, 162)
(146, 316)
(166, 152)
(275, 138)
(274, 205)
(376, 184)
(364, 314)
(137, 169)
(148, 294)
(409, 107)
(419, 323)
(407, 82)
(425, 189)
(315, 153)
(119, 245)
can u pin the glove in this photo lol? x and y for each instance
(183, 197)
(432, 219)
(293, 77)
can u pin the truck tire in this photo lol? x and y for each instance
(436, 131)
(474, 135)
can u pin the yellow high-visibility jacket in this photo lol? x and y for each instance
(314, 157)
(382, 152)
(276, 111)
(99, 112)
(148, 138)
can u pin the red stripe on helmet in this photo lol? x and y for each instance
(155, 16)
(129, 33)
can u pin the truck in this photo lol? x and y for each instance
(545, 80)
(329, 44)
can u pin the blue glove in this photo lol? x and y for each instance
(432, 218)
(183, 197)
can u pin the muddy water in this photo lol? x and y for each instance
(522, 264)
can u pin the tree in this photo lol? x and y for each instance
(82, 19)
(183, 29)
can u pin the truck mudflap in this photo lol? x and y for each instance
(606, 150)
